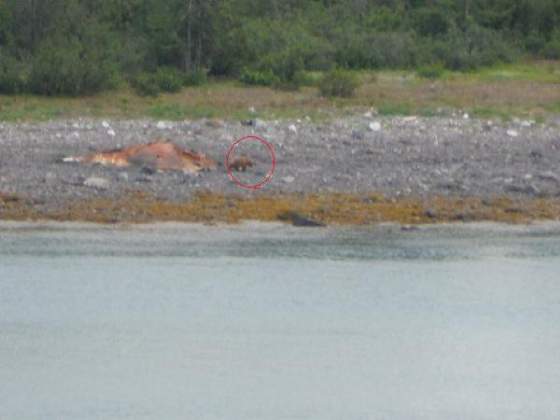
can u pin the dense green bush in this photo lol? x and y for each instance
(258, 78)
(338, 82)
(284, 64)
(535, 42)
(275, 51)
(384, 19)
(168, 79)
(12, 76)
(472, 48)
(551, 49)
(377, 50)
(195, 78)
(433, 72)
(74, 47)
(145, 85)
(306, 78)
(430, 21)
(71, 67)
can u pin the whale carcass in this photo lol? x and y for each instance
(159, 155)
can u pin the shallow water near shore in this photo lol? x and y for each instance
(265, 321)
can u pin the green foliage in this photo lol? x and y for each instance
(75, 47)
(472, 48)
(284, 64)
(306, 78)
(12, 76)
(535, 42)
(551, 49)
(173, 111)
(433, 72)
(384, 19)
(258, 78)
(71, 67)
(376, 50)
(195, 78)
(168, 79)
(5, 18)
(280, 47)
(340, 83)
(145, 84)
(430, 22)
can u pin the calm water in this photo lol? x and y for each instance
(268, 322)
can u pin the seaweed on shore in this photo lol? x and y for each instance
(298, 209)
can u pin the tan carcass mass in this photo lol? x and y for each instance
(160, 155)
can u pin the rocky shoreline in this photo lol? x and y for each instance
(396, 160)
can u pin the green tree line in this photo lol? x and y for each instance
(74, 47)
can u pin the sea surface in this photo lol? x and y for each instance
(272, 322)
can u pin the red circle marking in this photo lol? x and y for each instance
(268, 176)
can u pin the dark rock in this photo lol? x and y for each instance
(299, 220)
(357, 135)
(146, 170)
(549, 176)
(487, 127)
(370, 200)
(144, 179)
(523, 189)
(463, 217)
(9, 198)
(430, 213)
(536, 154)
(215, 124)
(451, 185)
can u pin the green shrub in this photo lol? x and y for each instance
(359, 50)
(145, 85)
(168, 79)
(552, 49)
(384, 19)
(289, 85)
(258, 78)
(12, 76)
(475, 47)
(535, 43)
(284, 64)
(430, 21)
(431, 71)
(305, 78)
(195, 78)
(263, 43)
(299, 79)
(338, 83)
(71, 67)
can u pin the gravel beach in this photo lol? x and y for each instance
(361, 154)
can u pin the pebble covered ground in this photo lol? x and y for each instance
(359, 154)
